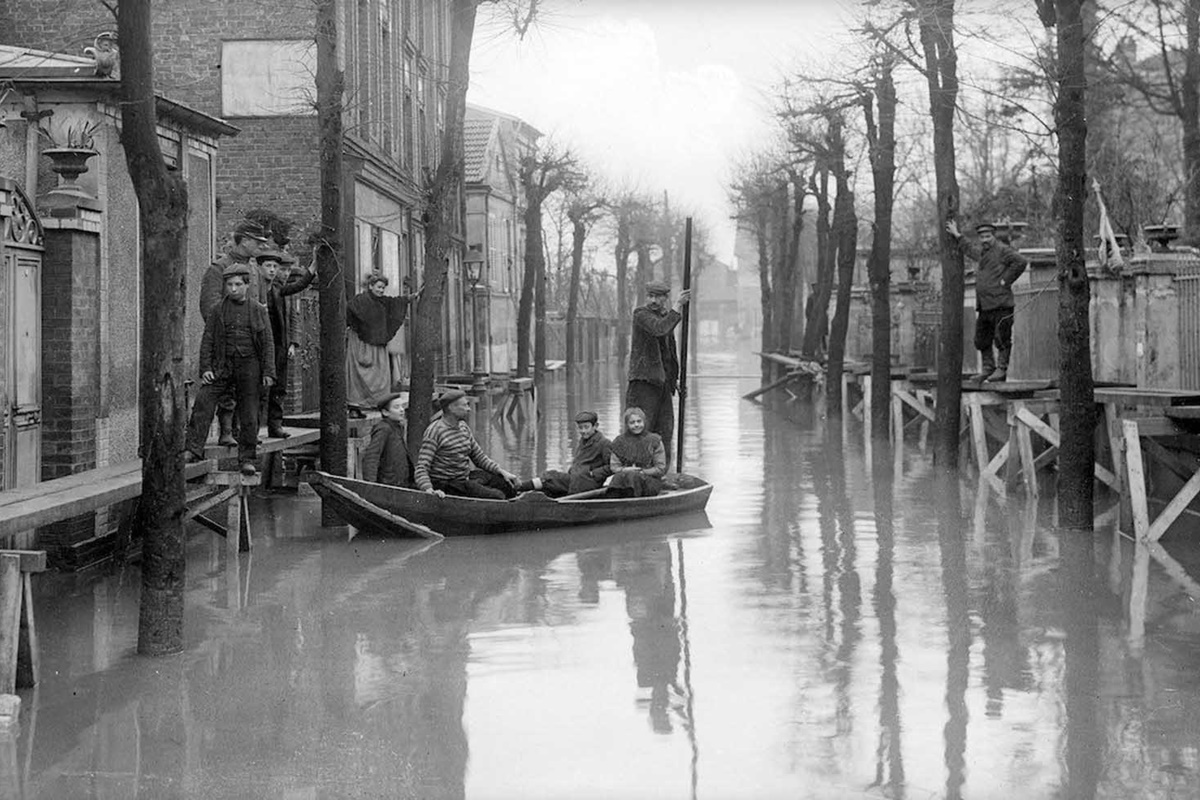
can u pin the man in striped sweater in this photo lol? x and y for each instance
(448, 448)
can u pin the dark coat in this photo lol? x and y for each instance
(212, 344)
(592, 458)
(999, 265)
(281, 311)
(652, 353)
(386, 458)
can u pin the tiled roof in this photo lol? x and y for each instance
(477, 135)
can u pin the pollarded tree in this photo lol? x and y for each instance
(443, 213)
(584, 207)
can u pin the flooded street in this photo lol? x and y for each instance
(822, 632)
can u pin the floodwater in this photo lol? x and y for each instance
(827, 630)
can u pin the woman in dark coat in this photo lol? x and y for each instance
(638, 460)
(386, 457)
(372, 319)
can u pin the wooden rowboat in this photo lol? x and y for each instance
(360, 503)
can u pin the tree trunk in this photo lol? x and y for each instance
(781, 263)
(941, 72)
(845, 225)
(764, 288)
(443, 198)
(644, 270)
(162, 214)
(882, 144)
(578, 235)
(1189, 96)
(331, 278)
(791, 274)
(1076, 458)
(817, 316)
(539, 315)
(535, 263)
(621, 252)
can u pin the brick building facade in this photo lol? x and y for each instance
(253, 64)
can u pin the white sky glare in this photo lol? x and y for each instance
(659, 94)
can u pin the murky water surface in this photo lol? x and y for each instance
(822, 633)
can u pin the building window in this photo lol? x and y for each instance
(268, 78)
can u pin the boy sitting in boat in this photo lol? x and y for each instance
(589, 469)
(386, 457)
(638, 460)
(448, 452)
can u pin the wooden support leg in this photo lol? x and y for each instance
(28, 661)
(978, 432)
(233, 526)
(1116, 446)
(867, 432)
(1025, 448)
(244, 529)
(1138, 589)
(1136, 479)
(897, 418)
(11, 591)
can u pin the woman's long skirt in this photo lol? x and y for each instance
(368, 371)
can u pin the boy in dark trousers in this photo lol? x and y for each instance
(276, 272)
(386, 459)
(589, 469)
(237, 357)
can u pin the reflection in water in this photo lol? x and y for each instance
(576, 663)
(889, 759)
(1085, 747)
(952, 545)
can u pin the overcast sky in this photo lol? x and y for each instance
(663, 94)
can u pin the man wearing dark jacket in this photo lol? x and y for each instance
(999, 266)
(237, 355)
(654, 359)
(281, 285)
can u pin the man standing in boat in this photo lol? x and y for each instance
(654, 359)
(589, 469)
(448, 452)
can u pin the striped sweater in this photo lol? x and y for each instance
(446, 454)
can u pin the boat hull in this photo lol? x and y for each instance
(467, 516)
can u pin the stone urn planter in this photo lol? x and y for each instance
(1161, 235)
(69, 163)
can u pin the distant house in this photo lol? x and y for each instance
(493, 145)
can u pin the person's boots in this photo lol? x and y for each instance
(1000, 374)
(989, 366)
(225, 424)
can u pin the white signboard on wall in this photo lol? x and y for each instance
(274, 78)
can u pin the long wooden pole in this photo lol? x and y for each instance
(683, 343)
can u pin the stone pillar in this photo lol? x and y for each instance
(70, 363)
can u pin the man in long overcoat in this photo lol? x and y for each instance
(654, 359)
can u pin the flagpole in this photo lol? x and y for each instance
(683, 343)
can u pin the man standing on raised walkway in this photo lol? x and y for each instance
(999, 266)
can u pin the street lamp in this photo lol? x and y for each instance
(473, 269)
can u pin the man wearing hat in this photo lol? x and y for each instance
(249, 239)
(237, 355)
(654, 359)
(999, 266)
(588, 469)
(449, 451)
(386, 457)
(271, 265)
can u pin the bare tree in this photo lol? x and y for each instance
(845, 235)
(542, 174)
(1076, 456)
(443, 212)
(1169, 83)
(583, 209)
(879, 114)
(162, 215)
